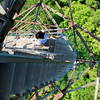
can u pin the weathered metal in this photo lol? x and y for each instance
(26, 69)
(9, 8)
(21, 71)
(6, 21)
(74, 23)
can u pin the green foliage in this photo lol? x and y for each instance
(62, 83)
(88, 18)
(92, 3)
(86, 93)
(87, 14)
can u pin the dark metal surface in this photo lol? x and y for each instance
(6, 74)
(24, 70)
(6, 21)
(4, 98)
(19, 78)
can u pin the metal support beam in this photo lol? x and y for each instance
(8, 58)
(6, 21)
(97, 82)
(69, 20)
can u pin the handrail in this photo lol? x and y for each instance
(9, 58)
